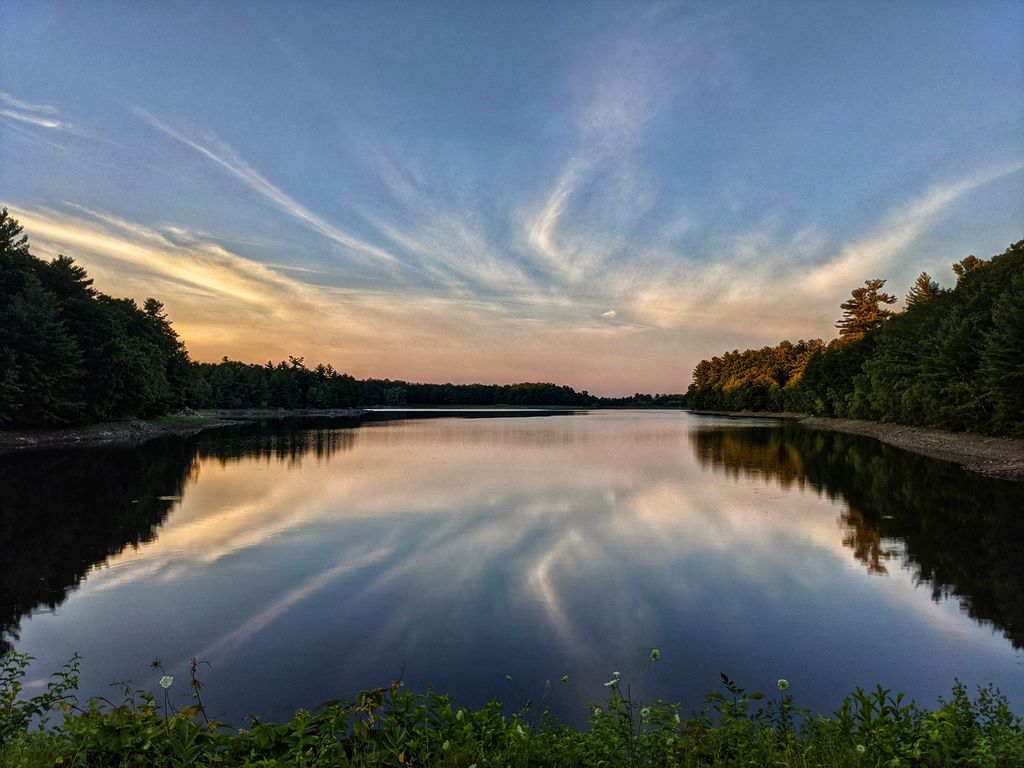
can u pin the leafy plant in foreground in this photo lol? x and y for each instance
(394, 727)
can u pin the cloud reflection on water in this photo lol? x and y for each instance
(561, 544)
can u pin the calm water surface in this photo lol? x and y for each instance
(308, 561)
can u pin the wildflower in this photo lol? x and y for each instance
(783, 683)
(655, 654)
(645, 712)
(564, 679)
(597, 711)
(861, 749)
(166, 682)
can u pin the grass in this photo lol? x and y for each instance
(394, 727)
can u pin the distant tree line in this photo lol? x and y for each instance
(70, 354)
(953, 358)
(290, 385)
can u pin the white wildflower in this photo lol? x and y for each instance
(783, 683)
(166, 682)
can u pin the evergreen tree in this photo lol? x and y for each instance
(924, 288)
(966, 266)
(1003, 359)
(863, 312)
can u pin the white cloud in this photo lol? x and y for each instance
(224, 156)
(25, 106)
(39, 122)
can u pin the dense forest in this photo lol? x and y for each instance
(70, 354)
(953, 358)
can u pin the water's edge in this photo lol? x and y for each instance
(996, 457)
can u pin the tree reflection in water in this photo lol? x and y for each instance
(63, 513)
(961, 533)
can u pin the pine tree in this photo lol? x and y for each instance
(967, 265)
(863, 312)
(1003, 359)
(923, 289)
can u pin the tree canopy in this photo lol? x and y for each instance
(923, 289)
(954, 359)
(863, 311)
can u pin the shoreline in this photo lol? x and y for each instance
(139, 430)
(189, 422)
(996, 457)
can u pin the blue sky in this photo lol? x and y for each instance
(598, 193)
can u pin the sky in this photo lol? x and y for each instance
(598, 194)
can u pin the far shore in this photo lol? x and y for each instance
(140, 430)
(189, 422)
(998, 457)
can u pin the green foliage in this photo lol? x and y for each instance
(953, 360)
(755, 380)
(1002, 359)
(393, 727)
(289, 385)
(18, 714)
(69, 353)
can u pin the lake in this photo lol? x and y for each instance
(307, 560)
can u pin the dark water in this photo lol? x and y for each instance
(308, 561)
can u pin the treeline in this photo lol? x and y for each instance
(387, 392)
(70, 354)
(952, 359)
(753, 380)
(232, 384)
(290, 385)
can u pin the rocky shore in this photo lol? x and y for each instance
(1001, 457)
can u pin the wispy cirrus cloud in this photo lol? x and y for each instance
(224, 303)
(10, 101)
(39, 122)
(224, 156)
(756, 285)
(36, 115)
(875, 253)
